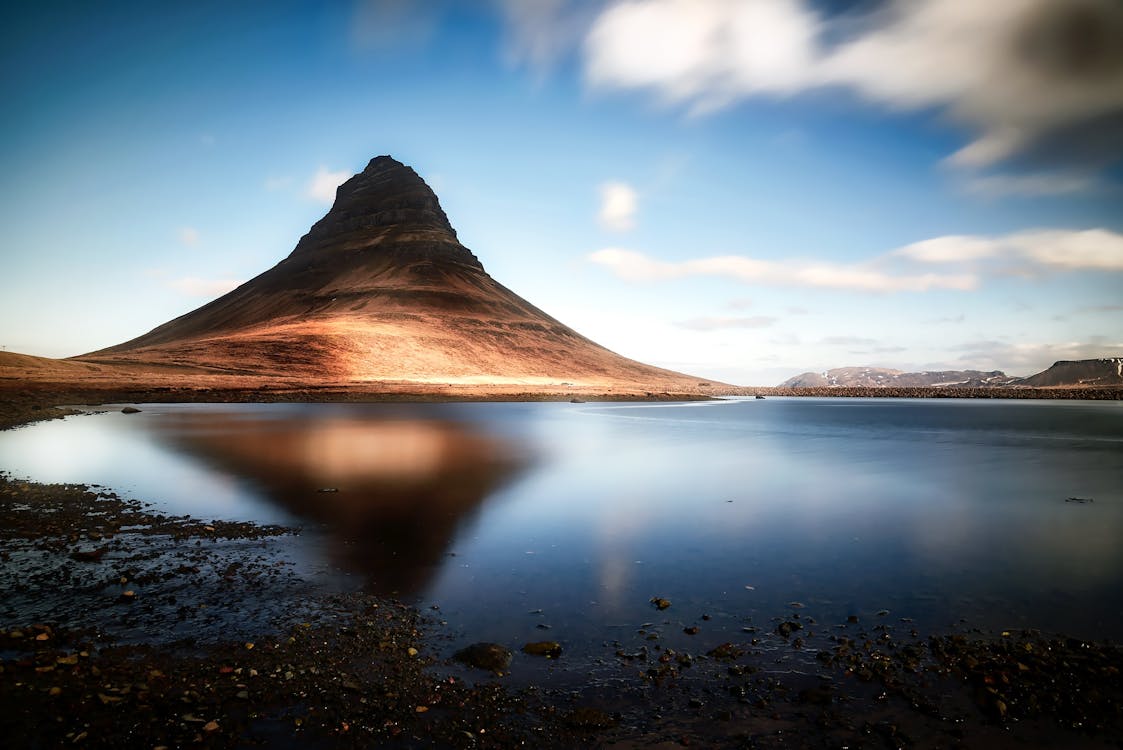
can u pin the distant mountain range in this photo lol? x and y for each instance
(1086, 372)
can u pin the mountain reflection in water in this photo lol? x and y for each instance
(390, 494)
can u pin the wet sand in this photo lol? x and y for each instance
(123, 627)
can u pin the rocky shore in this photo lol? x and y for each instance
(1078, 393)
(123, 627)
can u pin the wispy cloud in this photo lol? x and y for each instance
(381, 25)
(618, 204)
(634, 266)
(323, 184)
(542, 32)
(968, 258)
(1100, 309)
(1025, 75)
(196, 287)
(723, 323)
(188, 236)
(1031, 185)
(1088, 249)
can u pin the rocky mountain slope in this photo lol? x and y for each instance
(880, 377)
(381, 289)
(1107, 371)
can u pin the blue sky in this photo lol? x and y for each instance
(740, 189)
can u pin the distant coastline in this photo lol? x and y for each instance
(1082, 393)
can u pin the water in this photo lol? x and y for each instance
(511, 516)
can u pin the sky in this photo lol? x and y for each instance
(743, 190)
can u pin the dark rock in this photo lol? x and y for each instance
(93, 555)
(788, 627)
(590, 718)
(489, 656)
(130, 410)
(660, 603)
(549, 649)
(726, 651)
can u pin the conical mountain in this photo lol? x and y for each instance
(381, 289)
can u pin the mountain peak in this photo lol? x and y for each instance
(387, 201)
(384, 162)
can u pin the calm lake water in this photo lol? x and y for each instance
(508, 517)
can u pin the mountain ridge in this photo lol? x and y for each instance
(1107, 371)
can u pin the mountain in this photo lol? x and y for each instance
(1107, 371)
(880, 377)
(381, 289)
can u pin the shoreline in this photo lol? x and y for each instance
(22, 402)
(367, 670)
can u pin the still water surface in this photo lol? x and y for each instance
(513, 516)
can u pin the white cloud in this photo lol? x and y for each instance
(704, 52)
(323, 184)
(722, 323)
(189, 236)
(618, 204)
(634, 266)
(196, 287)
(1016, 72)
(1088, 249)
(968, 257)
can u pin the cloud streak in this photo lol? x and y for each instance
(634, 266)
(1089, 249)
(1032, 185)
(969, 259)
(1023, 75)
(541, 32)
